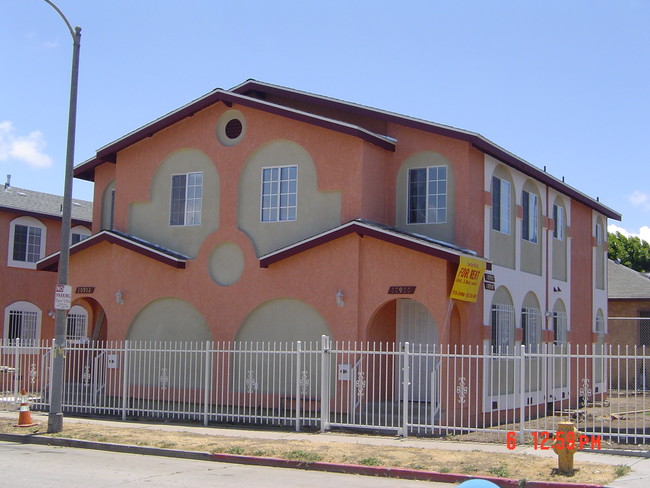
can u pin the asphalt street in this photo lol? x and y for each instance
(27, 465)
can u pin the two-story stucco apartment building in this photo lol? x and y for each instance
(265, 213)
(30, 226)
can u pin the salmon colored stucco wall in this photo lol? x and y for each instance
(374, 176)
(337, 158)
(29, 285)
(104, 175)
(467, 165)
(362, 268)
(364, 175)
(582, 281)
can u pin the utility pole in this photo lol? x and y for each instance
(55, 416)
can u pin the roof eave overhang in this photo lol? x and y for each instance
(363, 230)
(476, 140)
(108, 153)
(39, 215)
(630, 299)
(51, 262)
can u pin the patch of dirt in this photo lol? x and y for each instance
(474, 463)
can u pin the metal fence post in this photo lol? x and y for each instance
(125, 380)
(298, 392)
(209, 346)
(522, 391)
(18, 373)
(406, 374)
(325, 366)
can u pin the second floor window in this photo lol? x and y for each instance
(558, 219)
(500, 205)
(78, 234)
(186, 198)
(599, 234)
(529, 222)
(427, 195)
(279, 194)
(75, 238)
(27, 243)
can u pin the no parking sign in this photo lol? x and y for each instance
(63, 297)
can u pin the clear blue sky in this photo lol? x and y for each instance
(561, 83)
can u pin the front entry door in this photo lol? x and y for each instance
(416, 326)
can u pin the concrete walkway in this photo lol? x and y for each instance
(639, 477)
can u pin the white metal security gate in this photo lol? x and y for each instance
(353, 385)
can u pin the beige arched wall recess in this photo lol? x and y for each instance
(277, 324)
(151, 220)
(315, 211)
(169, 320)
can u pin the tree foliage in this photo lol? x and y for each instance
(630, 251)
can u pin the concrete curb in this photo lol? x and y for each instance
(619, 452)
(401, 473)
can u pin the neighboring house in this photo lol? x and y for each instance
(264, 213)
(629, 321)
(30, 226)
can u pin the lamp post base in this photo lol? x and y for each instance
(54, 423)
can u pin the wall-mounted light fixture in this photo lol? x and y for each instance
(339, 298)
(51, 314)
(548, 314)
(119, 298)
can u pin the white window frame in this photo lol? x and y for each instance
(560, 328)
(432, 214)
(600, 324)
(81, 232)
(502, 322)
(599, 233)
(531, 323)
(191, 203)
(558, 222)
(530, 221)
(501, 207)
(78, 320)
(279, 194)
(23, 311)
(30, 223)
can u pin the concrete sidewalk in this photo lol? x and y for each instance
(639, 477)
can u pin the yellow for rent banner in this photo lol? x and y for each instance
(468, 279)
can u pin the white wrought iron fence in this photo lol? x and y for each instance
(404, 388)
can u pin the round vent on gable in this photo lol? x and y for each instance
(231, 127)
(234, 129)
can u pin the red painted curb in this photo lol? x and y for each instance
(401, 473)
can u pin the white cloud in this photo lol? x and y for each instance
(644, 232)
(640, 199)
(28, 149)
(613, 229)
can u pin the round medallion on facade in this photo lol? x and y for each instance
(231, 127)
(226, 264)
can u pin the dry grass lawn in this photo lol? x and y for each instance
(475, 463)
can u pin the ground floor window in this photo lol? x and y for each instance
(22, 322)
(531, 322)
(560, 330)
(77, 325)
(503, 328)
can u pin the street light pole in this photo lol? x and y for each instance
(55, 416)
